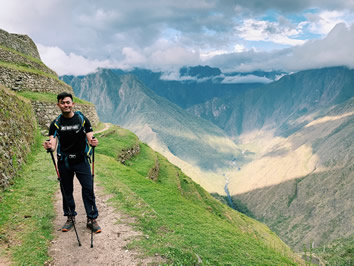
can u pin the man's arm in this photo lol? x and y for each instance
(89, 133)
(92, 141)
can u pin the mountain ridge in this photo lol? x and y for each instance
(279, 101)
(171, 130)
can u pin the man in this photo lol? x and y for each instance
(70, 133)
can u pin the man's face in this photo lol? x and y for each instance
(66, 105)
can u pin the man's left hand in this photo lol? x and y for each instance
(94, 142)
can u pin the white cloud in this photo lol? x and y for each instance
(245, 79)
(99, 18)
(166, 54)
(238, 48)
(334, 50)
(261, 30)
(175, 75)
(69, 64)
(133, 57)
(205, 55)
(323, 22)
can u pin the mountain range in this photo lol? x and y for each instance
(283, 143)
(123, 99)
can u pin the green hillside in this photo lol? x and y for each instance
(183, 222)
(180, 221)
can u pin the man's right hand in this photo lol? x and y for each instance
(48, 145)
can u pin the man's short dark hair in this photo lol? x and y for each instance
(63, 95)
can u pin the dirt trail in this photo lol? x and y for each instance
(108, 246)
(106, 126)
(4, 261)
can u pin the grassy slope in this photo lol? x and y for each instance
(180, 220)
(47, 97)
(27, 210)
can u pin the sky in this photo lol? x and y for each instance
(75, 37)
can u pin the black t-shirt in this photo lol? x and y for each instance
(71, 134)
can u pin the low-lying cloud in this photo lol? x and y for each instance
(69, 64)
(224, 79)
(245, 79)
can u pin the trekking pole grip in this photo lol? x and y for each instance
(49, 149)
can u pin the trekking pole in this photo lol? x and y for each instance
(93, 175)
(63, 192)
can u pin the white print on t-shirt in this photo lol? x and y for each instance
(69, 128)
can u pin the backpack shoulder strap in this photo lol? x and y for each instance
(57, 125)
(88, 148)
(82, 121)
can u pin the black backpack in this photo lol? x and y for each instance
(88, 148)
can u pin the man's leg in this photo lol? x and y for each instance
(83, 173)
(67, 179)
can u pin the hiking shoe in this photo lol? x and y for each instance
(68, 224)
(93, 225)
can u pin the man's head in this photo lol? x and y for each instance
(63, 95)
(65, 103)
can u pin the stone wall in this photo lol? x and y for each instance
(30, 81)
(12, 57)
(154, 171)
(46, 112)
(17, 129)
(127, 154)
(20, 43)
(90, 112)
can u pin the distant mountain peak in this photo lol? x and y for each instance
(200, 71)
